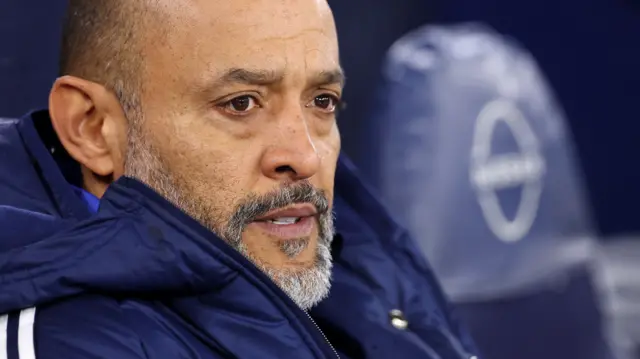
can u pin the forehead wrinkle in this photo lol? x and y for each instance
(301, 33)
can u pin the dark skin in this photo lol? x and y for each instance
(239, 98)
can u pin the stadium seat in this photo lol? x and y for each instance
(477, 160)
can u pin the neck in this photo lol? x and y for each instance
(95, 184)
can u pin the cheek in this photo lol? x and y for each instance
(206, 164)
(328, 150)
(193, 146)
(212, 164)
(328, 146)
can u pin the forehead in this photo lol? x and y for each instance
(213, 35)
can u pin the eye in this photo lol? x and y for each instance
(240, 105)
(326, 103)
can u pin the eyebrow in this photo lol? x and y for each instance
(269, 77)
(329, 78)
(251, 77)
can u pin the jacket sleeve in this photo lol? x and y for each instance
(88, 327)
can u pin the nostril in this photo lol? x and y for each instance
(285, 169)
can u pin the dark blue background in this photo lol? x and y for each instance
(589, 49)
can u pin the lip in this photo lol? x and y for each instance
(301, 229)
(299, 211)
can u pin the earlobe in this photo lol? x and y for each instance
(77, 112)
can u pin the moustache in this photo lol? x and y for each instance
(256, 206)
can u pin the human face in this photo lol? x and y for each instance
(238, 129)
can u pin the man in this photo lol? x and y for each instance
(207, 129)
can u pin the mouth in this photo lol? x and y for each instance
(293, 222)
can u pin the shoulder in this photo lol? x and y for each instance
(87, 327)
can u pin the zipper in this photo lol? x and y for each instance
(306, 313)
(323, 335)
(311, 320)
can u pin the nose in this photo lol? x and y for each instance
(292, 155)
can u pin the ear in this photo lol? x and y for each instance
(90, 124)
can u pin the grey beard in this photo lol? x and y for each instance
(306, 287)
(292, 248)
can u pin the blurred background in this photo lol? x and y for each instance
(502, 133)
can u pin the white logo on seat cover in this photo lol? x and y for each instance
(490, 172)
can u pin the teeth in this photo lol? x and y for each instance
(284, 220)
